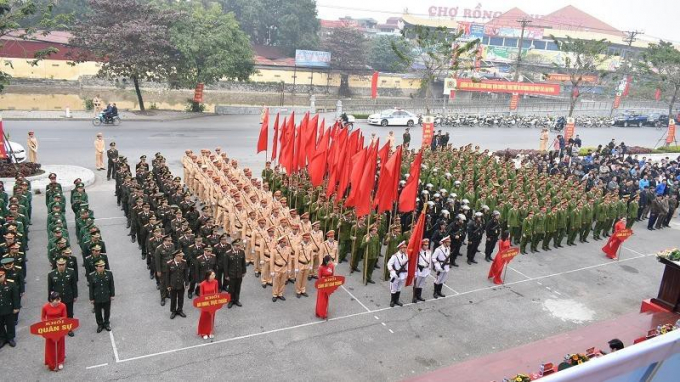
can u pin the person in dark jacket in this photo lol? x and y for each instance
(177, 277)
(234, 270)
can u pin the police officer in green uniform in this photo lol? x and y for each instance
(370, 246)
(102, 292)
(527, 232)
(550, 228)
(65, 282)
(587, 223)
(538, 230)
(575, 223)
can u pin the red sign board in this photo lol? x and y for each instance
(212, 302)
(670, 136)
(624, 234)
(54, 329)
(557, 77)
(330, 284)
(198, 93)
(467, 84)
(514, 101)
(509, 254)
(428, 130)
(569, 128)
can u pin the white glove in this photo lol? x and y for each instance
(297, 270)
(271, 274)
(261, 262)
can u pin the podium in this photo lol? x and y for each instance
(669, 290)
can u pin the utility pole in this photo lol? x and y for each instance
(524, 23)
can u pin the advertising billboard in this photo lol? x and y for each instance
(312, 58)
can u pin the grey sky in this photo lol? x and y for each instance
(657, 18)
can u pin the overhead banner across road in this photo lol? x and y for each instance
(466, 84)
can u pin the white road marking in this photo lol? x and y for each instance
(447, 287)
(518, 272)
(118, 360)
(391, 331)
(96, 366)
(115, 348)
(355, 299)
(383, 324)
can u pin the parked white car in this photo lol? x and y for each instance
(16, 149)
(393, 117)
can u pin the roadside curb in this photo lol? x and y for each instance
(65, 175)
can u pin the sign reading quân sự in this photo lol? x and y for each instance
(55, 329)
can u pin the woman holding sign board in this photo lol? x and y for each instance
(206, 323)
(55, 351)
(326, 269)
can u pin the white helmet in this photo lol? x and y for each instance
(496, 213)
(485, 207)
(457, 183)
(478, 214)
(430, 203)
(445, 212)
(402, 183)
(425, 192)
(437, 195)
(466, 208)
(465, 201)
(462, 217)
(448, 174)
(429, 185)
(453, 195)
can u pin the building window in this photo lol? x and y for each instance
(511, 42)
(551, 46)
(526, 44)
(497, 41)
(485, 40)
(540, 45)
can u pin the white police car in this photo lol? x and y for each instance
(393, 117)
(16, 149)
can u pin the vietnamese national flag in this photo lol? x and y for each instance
(276, 135)
(365, 191)
(264, 133)
(383, 154)
(344, 167)
(389, 180)
(407, 199)
(413, 249)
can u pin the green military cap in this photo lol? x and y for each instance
(57, 230)
(238, 242)
(7, 260)
(80, 185)
(157, 229)
(96, 247)
(100, 262)
(178, 252)
(62, 241)
(208, 249)
(15, 245)
(61, 261)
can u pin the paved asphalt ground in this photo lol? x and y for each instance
(545, 293)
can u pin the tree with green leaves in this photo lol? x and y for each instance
(288, 24)
(382, 57)
(24, 19)
(211, 47)
(348, 54)
(582, 57)
(434, 53)
(130, 37)
(662, 62)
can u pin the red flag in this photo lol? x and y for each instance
(276, 135)
(264, 133)
(374, 85)
(413, 248)
(344, 167)
(310, 145)
(364, 194)
(356, 166)
(3, 151)
(657, 94)
(387, 185)
(322, 130)
(288, 147)
(317, 164)
(407, 199)
(383, 154)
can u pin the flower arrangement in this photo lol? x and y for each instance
(663, 329)
(672, 254)
(576, 358)
(518, 378)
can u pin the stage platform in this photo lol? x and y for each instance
(527, 358)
